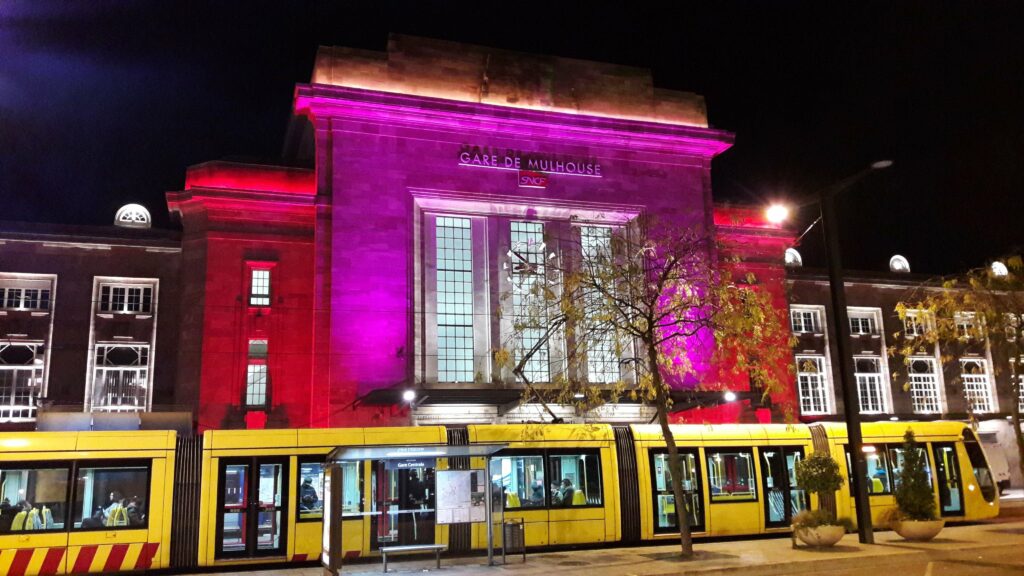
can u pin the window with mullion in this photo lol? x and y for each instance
(868, 373)
(602, 348)
(455, 347)
(804, 321)
(529, 313)
(259, 287)
(812, 383)
(977, 385)
(121, 379)
(126, 298)
(924, 386)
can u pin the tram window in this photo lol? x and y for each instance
(33, 499)
(896, 459)
(111, 497)
(980, 466)
(731, 475)
(312, 494)
(877, 469)
(575, 479)
(521, 479)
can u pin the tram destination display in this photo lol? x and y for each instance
(460, 496)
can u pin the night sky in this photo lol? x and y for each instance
(102, 103)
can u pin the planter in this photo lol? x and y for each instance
(820, 537)
(918, 530)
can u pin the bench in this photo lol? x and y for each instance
(435, 548)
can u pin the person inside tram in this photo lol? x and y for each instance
(136, 516)
(537, 493)
(7, 513)
(308, 498)
(115, 514)
(565, 493)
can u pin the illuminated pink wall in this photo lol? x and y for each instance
(376, 151)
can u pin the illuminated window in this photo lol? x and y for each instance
(965, 324)
(111, 498)
(529, 305)
(602, 349)
(454, 299)
(812, 382)
(21, 380)
(876, 462)
(578, 479)
(862, 322)
(25, 294)
(521, 478)
(259, 287)
(896, 458)
(37, 492)
(126, 298)
(805, 320)
(916, 323)
(731, 475)
(868, 372)
(256, 378)
(977, 385)
(924, 386)
(121, 378)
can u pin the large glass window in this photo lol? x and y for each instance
(811, 381)
(804, 320)
(868, 371)
(126, 298)
(665, 513)
(862, 322)
(980, 466)
(312, 492)
(924, 386)
(896, 460)
(877, 469)
(602, 349)
(578, 479)
(121, 380)
(454, 299)
(783, 497)
(521, 479)
(529, 304)
(25, 294)
(731, 476)
(977, 385)
(33, 499)
(111, 497)
(256, 376)
(259, 287)
(21, 380)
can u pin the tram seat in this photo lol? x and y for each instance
(19, 521)
(512, 500)
(579, 498)
(876, 486)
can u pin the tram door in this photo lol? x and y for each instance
(665, 515)
(251, 500)
(402, 502)
(784, 497)
(951, 502)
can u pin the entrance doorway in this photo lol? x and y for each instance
(402, 502)
(784, 498)
(251, 500)
(665, 516)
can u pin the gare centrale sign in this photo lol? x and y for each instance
(533, 168)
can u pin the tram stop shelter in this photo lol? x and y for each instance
(411, 496)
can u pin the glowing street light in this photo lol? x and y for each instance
(729, 396)
(409, 395)
(776, 213)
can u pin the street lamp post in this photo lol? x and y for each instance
(841, 330)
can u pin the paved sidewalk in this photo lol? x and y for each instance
(760, 556)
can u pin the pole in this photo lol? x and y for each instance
(490, 511)
(851, 403)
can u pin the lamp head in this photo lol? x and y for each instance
(776, 213)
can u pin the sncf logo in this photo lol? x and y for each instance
(531, 179)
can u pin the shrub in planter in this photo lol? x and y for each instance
(914, 517)
(819, 474)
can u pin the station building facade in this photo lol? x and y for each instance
(319, 292)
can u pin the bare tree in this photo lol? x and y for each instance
(637, 311)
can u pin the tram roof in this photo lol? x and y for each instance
(350, 453)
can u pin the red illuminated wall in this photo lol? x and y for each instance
(759, 248)
(234, 215)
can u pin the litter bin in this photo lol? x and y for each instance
(513, 538)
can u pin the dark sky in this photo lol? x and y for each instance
(102, 103)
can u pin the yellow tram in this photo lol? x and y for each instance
(118, 501)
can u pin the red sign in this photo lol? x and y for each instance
(531, 179)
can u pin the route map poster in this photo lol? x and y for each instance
(460, 496)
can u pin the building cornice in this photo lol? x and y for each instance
(323, 101)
